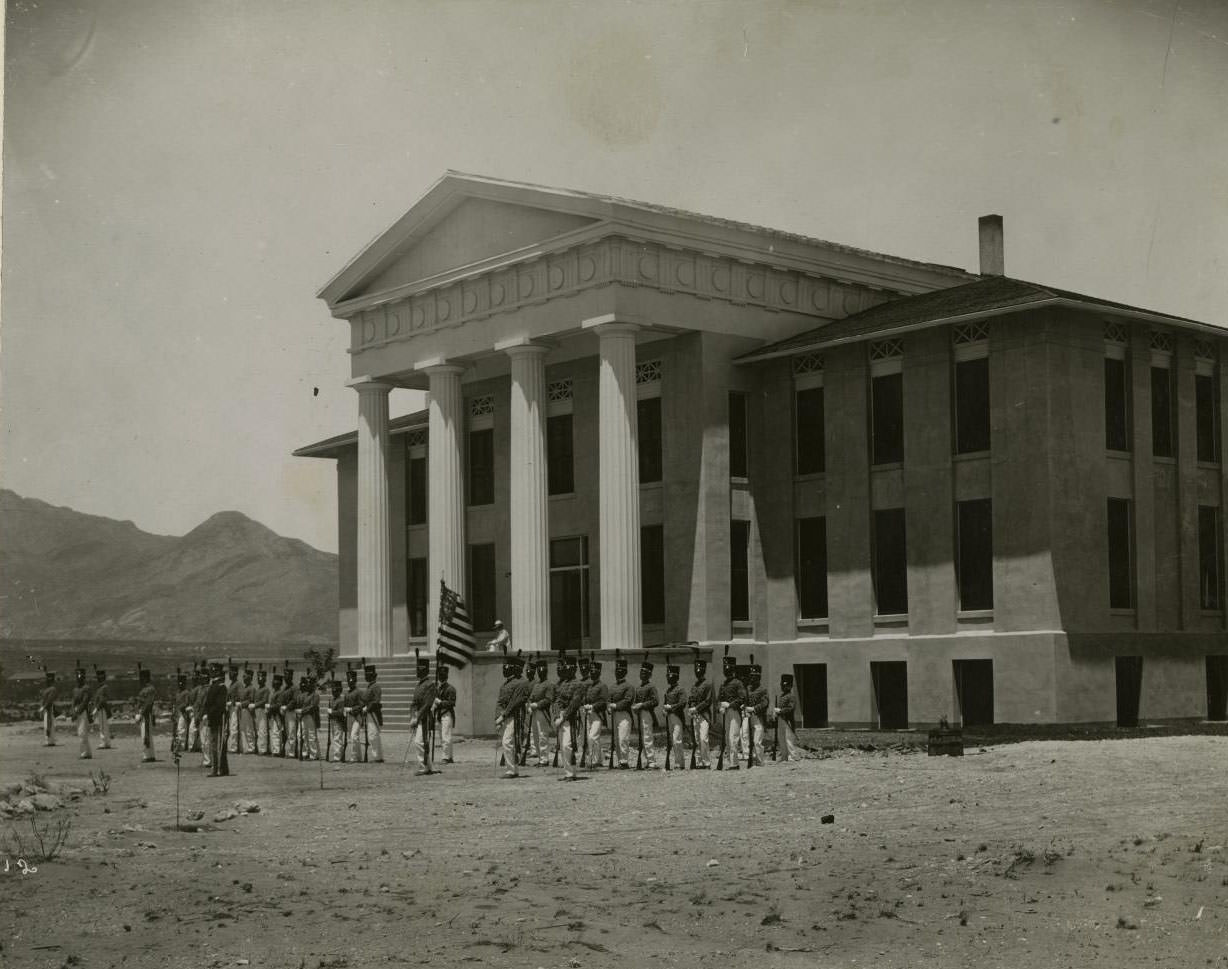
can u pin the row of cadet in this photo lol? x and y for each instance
(91, 705)
(562, 723)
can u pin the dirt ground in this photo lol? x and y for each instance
(1098, 853)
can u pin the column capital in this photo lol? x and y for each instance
(369, 385)
(436, 365)
(609, 324)
(520, 347)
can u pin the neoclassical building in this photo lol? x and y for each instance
(926, 492)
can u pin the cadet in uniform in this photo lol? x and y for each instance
(50, 693)
(644, 709)
(541, 701)
(276, 722)
(216, 696)
(513, 695)
(568, 698)
(183, 718)
(730, 701)
(247, 713)
(260, 707)
(524, 725)
(101, 704)
(81, 713)
(353, 717)
(445, 710)
(288, 706)
(596, 702)
(232, 710)
(373, 713)
(421, 715)
(206, 731)
(145, 698)
(622, 694)
(699, 712)
(674, 703)
(755, 714)
(784, 708)
(336, 724)
(196, 713)
(309, 718)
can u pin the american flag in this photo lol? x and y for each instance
(455, 643)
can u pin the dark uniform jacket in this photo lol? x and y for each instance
(260, 696)
(354, 699)
(424, 699)
(145, 702)
(309, 706)
(621, 695)
(786, 704)
(757, 702)
(336, 708)
(597, 695)
(80, 700)
(373, 699)
(513, 695)
(646, 696)
(245, 694)
(733, 692)
(542, 694)
(49, 697)
(675, 699)
(215, 705)
(445, 693)
(102, 700)
(701, 699)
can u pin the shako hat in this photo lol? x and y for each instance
(672, 672)
(181, 678)
(646, 667)
(729, 664)
(700, 665)
(620, 664)
(277, 677)
(142, 674)
(369, 671)
(594, 667)
(351, 674)
(754, 671)
(80, 671)
(288, 675)
(423, 664)
(248, 673)
(99, 674)
(216, 670)
(542, 665)
(336, 686)
(49, 674)
(583, 664)
(233, 668)
(261, 674)
(441, 671)
(786, 681)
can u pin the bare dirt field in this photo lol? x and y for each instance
(1055, 853)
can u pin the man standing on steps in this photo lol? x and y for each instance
(622, 695)
(81, 697)
(353, 717)
(101, 703)
(145, 713)
(373, 710)
(699, 712)
(541, 699)
(47, 705)
(596, 702)
(247, 713)
(422, 709)
(445, 710)
(513, 695)
(644, 710)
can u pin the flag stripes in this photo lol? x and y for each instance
(455, 644)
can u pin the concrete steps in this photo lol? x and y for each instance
(398, 678)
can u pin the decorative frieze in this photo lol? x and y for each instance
(648, 372)
(559, 391)
(886, 349)
(807, 363)
(967, 333)
(612, 260)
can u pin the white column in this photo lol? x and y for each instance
(374, 567)
(530, 530)
(619, 499)
(446, 492)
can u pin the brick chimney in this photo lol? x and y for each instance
(992, 262)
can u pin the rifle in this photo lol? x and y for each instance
(720, 760)
(524, 722)
(328, 748)
(613, 736)
(748, 727)
(584, 742)
(430, 739)
(694, 742)
(366, 742)
(558, 739)
(775, 732)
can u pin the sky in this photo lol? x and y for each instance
(180, 179)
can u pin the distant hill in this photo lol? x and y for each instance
(67, 575)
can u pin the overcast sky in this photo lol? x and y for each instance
(181, 178)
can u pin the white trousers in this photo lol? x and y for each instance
(292, 735)
(594, 741)
(375, 748)
(193, 732)
(787, 742)
(673, 725)
(541, 738)
(752, 733)
(232, 742)
(649, 760)
(336, 740)
(262, 731)
(354, 745)
(507, 744)
(622, 736)
(247, 731)
(443, 736)
(147, 741)
(182, 723)
(206, 744)
(276, 740)
(733, 738)
(566, 756)
(48, 728)
(83, 734)
(422, 745)
(104, 729)
(699, 731)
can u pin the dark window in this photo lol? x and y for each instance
(568, 592)
(890, 682)
(890, 563)
(652, 574)
(1116, 406)
(972, 405)
(1206, 412)
(887, 404)
(417, 491)
(811, 679)
(1210, 559)
(809, 448)
(812, 567)
(648, 433)
(482, 467)
(1129, 670)
(739, 571)
(416, 597)
(974, 691)
(974, 558)
(737, 434)
(482, 586)
(1121, 557)
(560, 463)
(1162, 412)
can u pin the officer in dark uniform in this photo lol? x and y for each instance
(422, 716)
(216, 696)
(513, 695)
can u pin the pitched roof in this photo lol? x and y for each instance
(332, 447)
(987, 296)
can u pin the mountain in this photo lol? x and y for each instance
(67, 575)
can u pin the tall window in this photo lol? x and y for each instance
(648, 434)
(737, 434)
(739, 571)
(974, 553)
(1121, 554)
(568, 592)
(810, 455)
(416, 597)
(1210, 559)
(482, 586)
(1206, 413)
(1117, 423)
(482, 467)
(1161, 412)
(886, 402)
(890, 563)
(417, 490)
(812, 568)
(652, 574)
(560, 459)
(971, 390)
